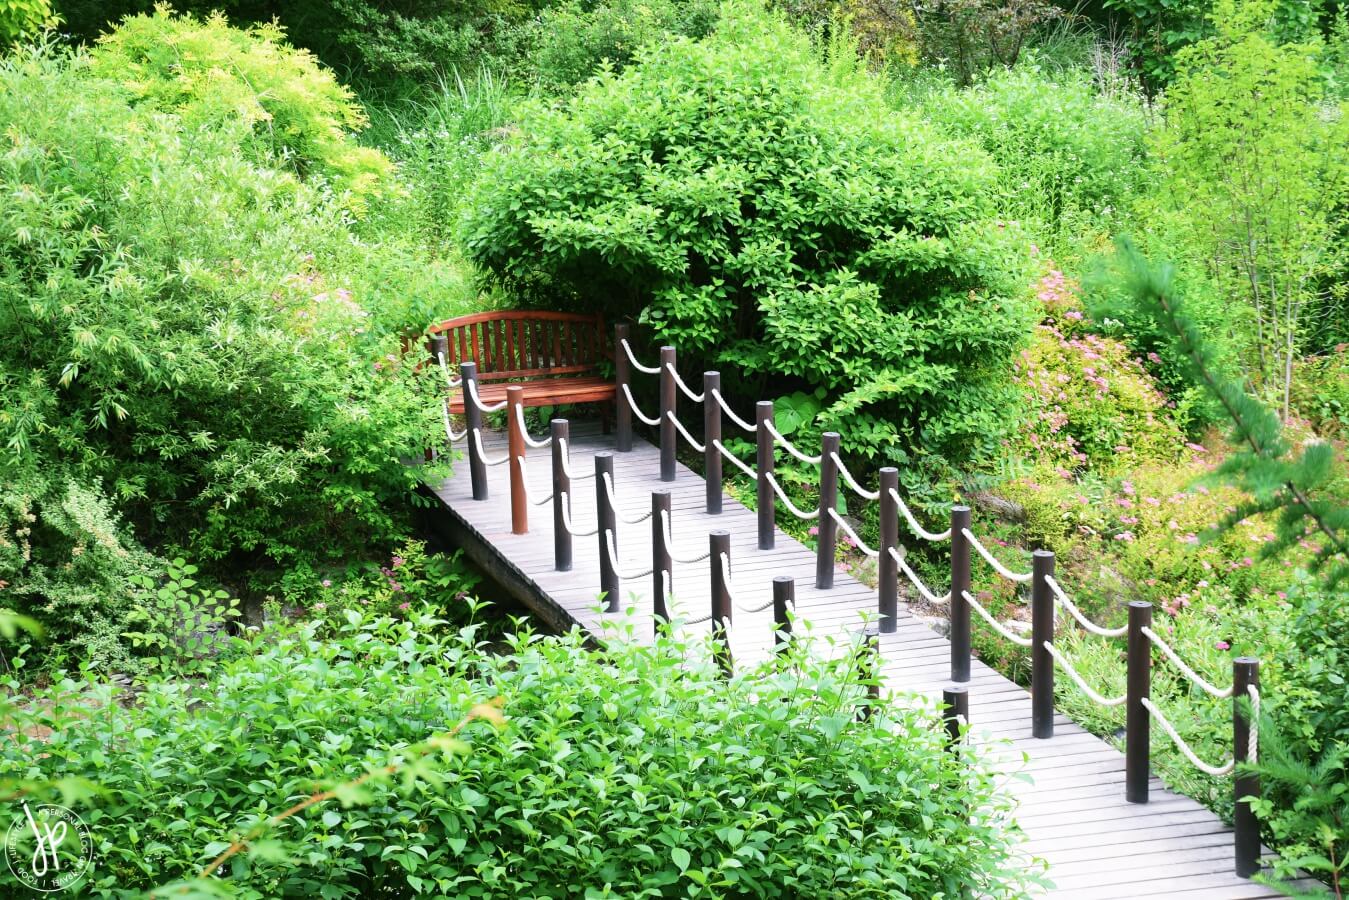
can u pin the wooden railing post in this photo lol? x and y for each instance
(1246, 828)
(562, 556)
(515, 444)
(828, 531)
(784, 600)
(960, 583)
(439, 349)
(712, 434)
(719, 542)
(887, 569)
(607, 520)
(763, 464)
(668, 409)
(955, 711)
(1041, 633)
(622, 378)
(661, 562)
(477, 469)
(1137, 720)
(869, 670)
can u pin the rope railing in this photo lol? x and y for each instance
(567, 522)
(524, 477)
(613, 501)
(450, 381)
(679, 383)
(917, 582)
(669, 544)
(524, 432)
(993, 560)
(1253, 736)
(1077, 614)
(791, 507)
(679, 426)
(566, 465)
(848, 529)
(730, 413)
(482, 454)
(735, 460)
(613, 559)
(449, 429)
(787, 445)
(653, 421)
(1081, 683)
(914, 525)
(725, 562)
(471, 388)
(632, 358)
(993, 622)
(852, 482)
(1195, 677)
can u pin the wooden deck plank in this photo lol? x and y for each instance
(1068, 788)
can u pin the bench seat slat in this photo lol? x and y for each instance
(542, 392)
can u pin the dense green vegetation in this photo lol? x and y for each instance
(226, 225)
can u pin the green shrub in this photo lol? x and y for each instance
(766, 215)
(21, 19)
(184, 326)
(1071, 159)
(636, 773)
(209, 72)
(1321, 392)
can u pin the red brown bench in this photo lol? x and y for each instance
(555, 357)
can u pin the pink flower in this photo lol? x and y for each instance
(1125, 536)
(1152, 501)
(397, 561)
(320, 606)
(404, 606)
(1128, 487)
(327, 582)
(1073, 314)
(1195, 447)
(1125, 502)
(1153, 357)
(1223, 645)
(813, 530)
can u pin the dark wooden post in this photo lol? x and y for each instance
(515, 443)
(560, 429)
(869, 670)
(960, 583)
(784, 599)
(1137, 720)
(1245, 674)
(668, 408)
(712, 434)
(1041, 633)
(439, 348)
(719, 542)
(477, 469)
(622, 378)
(828, 531)
(955, 711)
(661, 562)
(887, 570)
(608, 522)
(763, 464)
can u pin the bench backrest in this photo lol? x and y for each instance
(527, 343)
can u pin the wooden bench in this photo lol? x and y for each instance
(554, 356)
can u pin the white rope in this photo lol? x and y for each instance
(992, 561)
(482, 454)
(679, 426)
(1086, 688)
(997, 626)
(1253, 742)
(1082, 620)
(917, 582)
(529, 441)
(613, 504)
(842, 523)
(913, 523)
(669, 543)
(670, 602)
(735, 459)
(613, 559)
(567, 523)
(524, 483)
(789, 447)
(716, 395)
(449, 430)
(632, 404)
(1191, 674)
(1216, 771)
(566, 465)
(650, 370)
(791, 507)
(852, 482)
(450, 381)
(472, 387)
(688, 391)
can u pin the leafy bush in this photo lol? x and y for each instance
(974, 37)
(1321, 392)
(1071, 159)
(20, 19)
(209, 72)
(885, 32)
(183, 325)
(635, 773)
(764, 214)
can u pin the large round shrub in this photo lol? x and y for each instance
(637, 773)
(765, 213)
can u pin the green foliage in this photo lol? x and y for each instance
(209, 73)
(884, 32)
(649, 775)
(974, 37)
(1321, 392)
(763, 213)
(178, 624)
(1071, 158)
(20, 19)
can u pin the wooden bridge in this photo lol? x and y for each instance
(585, 533)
